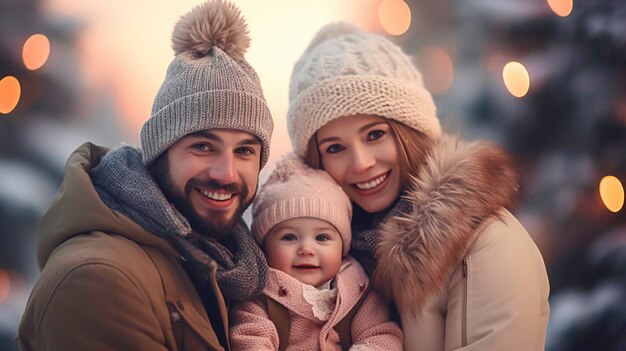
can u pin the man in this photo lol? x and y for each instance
(143, 248)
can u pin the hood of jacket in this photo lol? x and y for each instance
(77, 209)
(460, 187)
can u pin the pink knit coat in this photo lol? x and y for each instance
(251, 328)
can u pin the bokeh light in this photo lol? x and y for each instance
(394, 16)
(612, 193)
(4, 285)
(437, 69)
(10, 92)
(516, 79)
(36, 51)
(561, 7)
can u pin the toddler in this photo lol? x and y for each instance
(316, 297)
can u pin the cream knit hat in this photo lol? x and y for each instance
(345, 72)
(295, 190)
(208, 84)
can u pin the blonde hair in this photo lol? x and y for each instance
(413, 146)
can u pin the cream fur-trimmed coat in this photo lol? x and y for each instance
(463, 272)
(311, 320)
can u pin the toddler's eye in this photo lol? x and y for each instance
(289, 237)
(322, 237)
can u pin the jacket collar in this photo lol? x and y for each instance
(78, 195)
(460, 186)
(289, 292)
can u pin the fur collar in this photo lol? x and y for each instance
(460, 186)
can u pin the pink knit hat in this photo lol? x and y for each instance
(295, 190)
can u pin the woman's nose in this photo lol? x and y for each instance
(362, 159)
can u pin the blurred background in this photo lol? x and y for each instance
(544, 78)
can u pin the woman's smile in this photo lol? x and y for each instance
(360, 154)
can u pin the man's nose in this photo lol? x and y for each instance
(223, 169)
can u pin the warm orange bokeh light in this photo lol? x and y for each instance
(437, 69)
(561, 7)
(516, 79)
(394, 16)
(36, 51)
(4, 285)
(612, 193)
(10, 92)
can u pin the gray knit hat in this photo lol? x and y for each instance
(208, 84)
(345, 72)
(293, 190)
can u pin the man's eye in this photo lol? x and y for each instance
(245, 151)
(288, 237)
(322, 237)
(334, 148)
(202, 147)
(375, 134)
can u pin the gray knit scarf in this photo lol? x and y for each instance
(124, 185)
(366, 232)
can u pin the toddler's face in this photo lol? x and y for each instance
(308, 249)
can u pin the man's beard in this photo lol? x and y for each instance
(216, 224)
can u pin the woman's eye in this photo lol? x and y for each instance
(288, 237)
(375, 134)
(334, 148)
(322, 237)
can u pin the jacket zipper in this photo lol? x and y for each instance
(464, 312)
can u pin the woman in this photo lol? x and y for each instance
(431, 224)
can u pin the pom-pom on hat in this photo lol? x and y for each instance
(346, 72)
(294, 190)
(208, 84)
